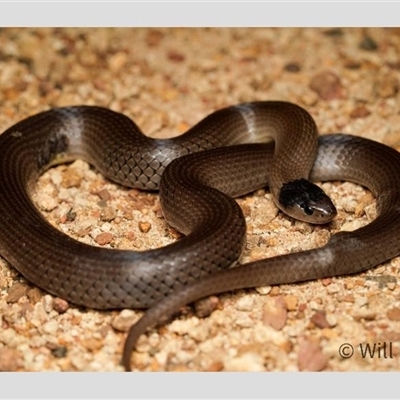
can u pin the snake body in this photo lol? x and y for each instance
(196, 193)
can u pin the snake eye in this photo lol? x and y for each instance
(307, 209)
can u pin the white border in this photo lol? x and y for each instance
(199, 385)
(196, 13)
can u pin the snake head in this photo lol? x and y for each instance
(306, 202)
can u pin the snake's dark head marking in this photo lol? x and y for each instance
(53, 147)
(307, 202)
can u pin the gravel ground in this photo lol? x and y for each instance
(167, 80)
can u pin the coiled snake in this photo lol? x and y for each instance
(224, 156)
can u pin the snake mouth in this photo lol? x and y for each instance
(305, 201)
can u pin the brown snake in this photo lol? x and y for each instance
(196, 194)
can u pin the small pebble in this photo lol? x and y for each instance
(108, 214)
(367, 315)
(104, 194)
(249, 362)
(175, 56)
(104, 238)
(10, 360)
(292, 67)
(134, 193)
(174, 233)
(47, 202)
(144, 227)
(117, 61)
(364, 202)
(39, 314)
(368, 44)
(391, 285)
(291, 302)
(205, 307)
(59, 351)
(333, 288)
(348, 298)
(327, 85)
(360, 112)
(50, 327)
(16, 292)
(319, 320)
(70, 215)
(216, 366)
(353, 64)
(34, 295)
(124, 320)
(60, 305)
(275, 313)
(71, 178)
(334, 32)
(394, 314)
(154, 37)
(245, 304)
(386, 86)
(92, 344)
(310, 357)
(264, 290)
(47, 303)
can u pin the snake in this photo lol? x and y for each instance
(231, 152)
